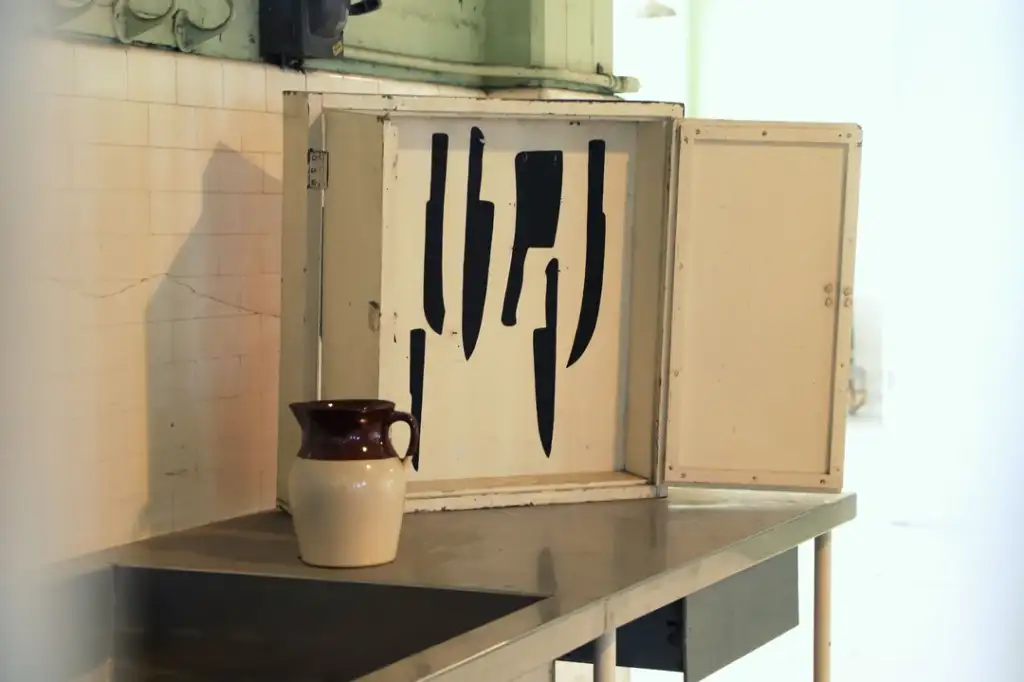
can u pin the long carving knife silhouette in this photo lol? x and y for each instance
(593, 274)
(545, 345)
(417, 364)
(476, 261)
(433, 246)
(538, 203)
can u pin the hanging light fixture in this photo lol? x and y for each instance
(654, 9)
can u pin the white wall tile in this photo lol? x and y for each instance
(238, 255)
(109, 121)
(225, 213)
(262, 294)
(111, 212)
(101, 71)
(245, 86)
(262, 132)
(279, 81)
(178, 170)
(123, 255)
(200, 81)
(273, 169)
(175, 213)
(172, 126)
(219, 128)
(58, 159)
(109, 167)
(261, 215)
(52, 60)
(271, 254)
(152, 76)
(194, 256)
(170, 231)
(230, 171)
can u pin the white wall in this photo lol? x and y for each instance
(934, 87)
(787, 60)
(163, 177)
(807, 60)
(927, 581)
(653, 50)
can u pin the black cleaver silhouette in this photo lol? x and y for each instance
(538, 203)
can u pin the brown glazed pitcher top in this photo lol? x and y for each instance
(350, 430)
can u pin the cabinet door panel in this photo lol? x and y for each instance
(761, 303)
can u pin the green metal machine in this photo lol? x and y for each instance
(476, 43)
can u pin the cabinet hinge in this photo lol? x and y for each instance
(317, 167)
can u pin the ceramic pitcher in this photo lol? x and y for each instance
(346, 490)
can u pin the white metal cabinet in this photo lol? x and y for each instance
(551, 285)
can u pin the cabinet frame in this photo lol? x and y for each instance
(305, 122)
(658, 224)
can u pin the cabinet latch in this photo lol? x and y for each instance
(316, 171)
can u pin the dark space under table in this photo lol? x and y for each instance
(219, 627)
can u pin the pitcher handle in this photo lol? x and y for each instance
(414, 434)
(364, 7)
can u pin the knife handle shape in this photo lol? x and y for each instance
(545, 349)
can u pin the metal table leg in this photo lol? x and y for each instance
(604, 657)
(822, 608)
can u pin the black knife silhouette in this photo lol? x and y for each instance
(476, 261)
(593, 274)
(417, 363)
(538, 202)
(545, 343)
(433, 246)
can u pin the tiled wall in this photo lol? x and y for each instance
(165, 200)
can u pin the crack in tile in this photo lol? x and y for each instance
(170, 278)
(241, 308)
(110, 294)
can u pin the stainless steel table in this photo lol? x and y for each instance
(598, 566)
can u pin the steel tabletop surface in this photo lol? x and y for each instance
(598, 565)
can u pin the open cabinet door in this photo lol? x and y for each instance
(762, 296)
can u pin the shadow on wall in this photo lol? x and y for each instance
(212, 357)
(868, 372)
